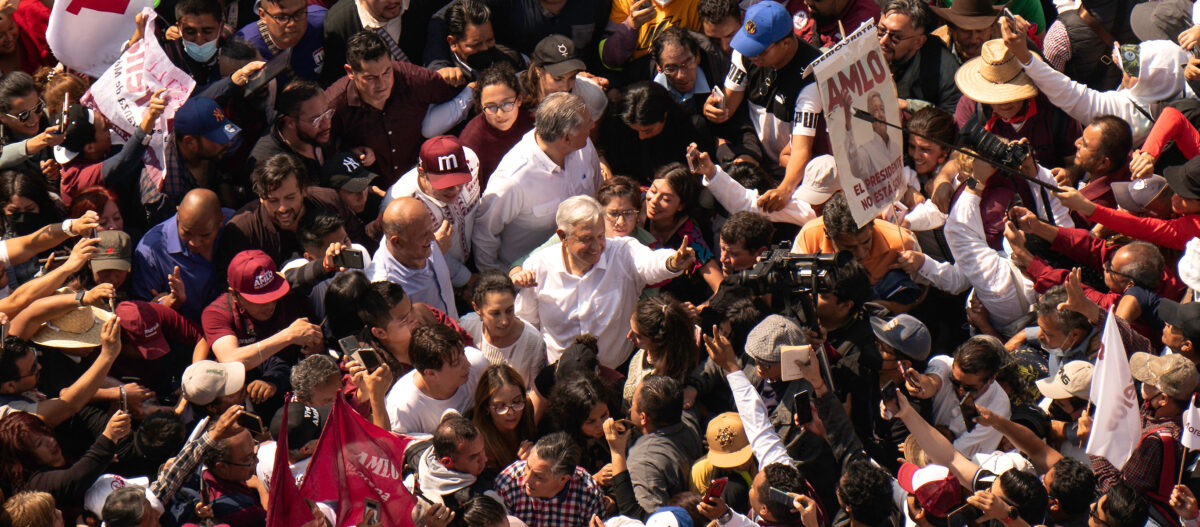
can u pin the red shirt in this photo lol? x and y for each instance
(827, 29)
(1172, 234)
(78, 175)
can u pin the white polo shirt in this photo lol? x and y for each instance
(516, 213)
(600, 302)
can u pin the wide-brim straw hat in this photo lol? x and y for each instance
(79, 328)
(995, 76)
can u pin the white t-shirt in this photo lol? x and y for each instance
(412, 411)
(527, 355)
(946, 412)
(773, 132)
(266, 465)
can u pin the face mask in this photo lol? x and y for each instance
(663, 3)
(485, 59)
(200, 52)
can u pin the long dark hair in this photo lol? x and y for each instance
(493, 379)
(667, 322)
(15, 183)
(572, 401)
(18, 433)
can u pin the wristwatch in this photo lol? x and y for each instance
(79, 297)
(725, 517)
(1013, 514)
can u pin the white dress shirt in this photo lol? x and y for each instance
(947, 413)
(431, 284)
(600, 302)
(1002, 289)
(734, 197)
(516, 213)
(461, 212)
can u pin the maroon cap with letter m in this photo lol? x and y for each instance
(254, 276)
(444, 162)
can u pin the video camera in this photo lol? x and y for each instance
(993, 149)
(793, 279)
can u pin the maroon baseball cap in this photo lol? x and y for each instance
(141, 328)
(935, 488)
(444, 162)
(254, 276)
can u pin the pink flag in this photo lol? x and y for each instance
(357, 464)
(286, 507)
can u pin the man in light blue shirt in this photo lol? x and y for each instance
(410, 256)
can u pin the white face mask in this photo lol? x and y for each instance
(663, 3)
(200, 52)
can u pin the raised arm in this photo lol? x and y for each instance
(935, 445)
(72, 398)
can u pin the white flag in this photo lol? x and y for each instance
(1117, 426)
(1191, 427)
(87, 35)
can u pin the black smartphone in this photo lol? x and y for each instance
(203, 491)
(3, 332)
(780, 497)
(803, 406)
(251, 422)
(715, 488)
(693, 158)
(368, 358)
(274, 67)
(62, 121)
(890, 392)
(962, 516)
(350, 259)
(969, 413)
(131, 380)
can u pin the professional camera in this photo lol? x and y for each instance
(993, 149)
(792, 280)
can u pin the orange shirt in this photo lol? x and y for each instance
(887, 241)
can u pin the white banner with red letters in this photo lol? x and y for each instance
(853, 75)
(124, 91)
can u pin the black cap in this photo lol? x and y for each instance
(1184, 317)
(580, 356)
(1185, 179)
(80, 131)
(304, 423)
(344, 171)
(556, 55)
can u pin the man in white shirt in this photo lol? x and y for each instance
(444, 377)
(970, 374)
(554, 161)
(590, 284)
(448, 190)
(410, 256)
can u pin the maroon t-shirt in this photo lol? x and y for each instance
(178, 330)
(490, 143)
(224, 317)
(80, 174)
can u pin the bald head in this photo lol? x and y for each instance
(1140, 262)
(199, 205)
(403, 213)
(199, 220)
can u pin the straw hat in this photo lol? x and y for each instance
(995, 76)
(79, 328)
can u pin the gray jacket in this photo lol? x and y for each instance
(660, 463)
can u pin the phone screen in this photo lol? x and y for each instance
(969, 413)
(251, 422)
(803, 402)
(889, 392)
(368, 358)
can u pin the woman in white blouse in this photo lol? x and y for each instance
(499, 334)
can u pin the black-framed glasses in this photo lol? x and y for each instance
(895, 35)
(25, 115)
(287, 18)
(502, 107)
(966, 387)
(1108, 268)
(1094, 513)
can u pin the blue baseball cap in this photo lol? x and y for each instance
(767, 22)
(204, 117)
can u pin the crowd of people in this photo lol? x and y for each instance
(567, 247)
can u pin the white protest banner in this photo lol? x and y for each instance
(87, 35)
(124, 91)
(854, 75)
(1191, 427)
(1117, 426)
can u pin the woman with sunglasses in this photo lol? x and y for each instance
(499, 413)
(23, 126)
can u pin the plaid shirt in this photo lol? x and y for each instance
(574, 506)
(1143, 470)
(183, 468)
(177, 181)
(1057, 46)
